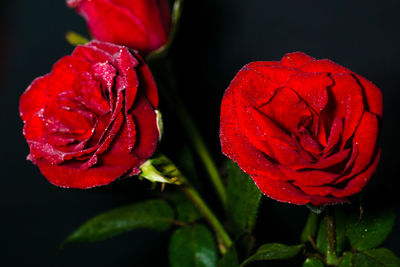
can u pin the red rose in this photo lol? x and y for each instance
(92, 119)
(143, 25)
(304, 129)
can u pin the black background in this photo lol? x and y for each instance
(215, 40)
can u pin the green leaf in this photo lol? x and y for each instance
(361, 260)
(380, 257)
(373, 228)
(75, 38)
(340, 226)
(313, 262)
(151, 214)
(192, 246)
(346, 260)
(230, 259)
(186, 211)
(273, 251)
(243, 198)
(310, 228)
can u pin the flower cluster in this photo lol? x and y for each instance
(299, 130)
(304, 129)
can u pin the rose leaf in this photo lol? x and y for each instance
(369, 229)
(273, 251)
(380, 257)
(243, 198)
(346, 260)
(152, 214)
(192, 246)
(186, 211)
(230, 259)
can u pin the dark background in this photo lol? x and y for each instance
(216, 39)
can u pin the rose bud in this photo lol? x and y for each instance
(92, 119)
(143, 25)
(305, 130)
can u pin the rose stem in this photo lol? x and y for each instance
(176, 16)
(173, 101)
(176, 105)
(331, 257)
(161, 169)
(223, 238)
(202, 150)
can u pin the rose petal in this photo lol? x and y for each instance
(324, 65)
(346, 101)
(358, 182)
(147, 133)
(91, 54)
(117, 23)
(373, 96)
(352, 187)
(286, 192)
(253, 88)
(237, 147)
(250, 159)
(329, 161)
(312, 88)
(308, 143)
(34, 97)
(269, 138)
(364, 139)
(286, 109)
(109, 137)
(115, 161)
(307, 177)
(334, 135)
(147, 83)
(158, 23)
(296, 59)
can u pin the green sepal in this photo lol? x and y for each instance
(160, 170)
(160, 125)
(310, 228)
(75, 39)
(315, 209)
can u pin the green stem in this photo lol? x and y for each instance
(163, 170)
(176, 105)
(223, 238)
(202, 150)
(331, 257)
(176, 16)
